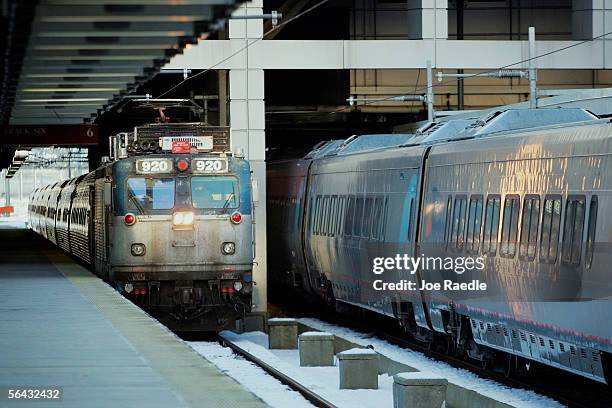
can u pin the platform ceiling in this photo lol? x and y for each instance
(64, 60)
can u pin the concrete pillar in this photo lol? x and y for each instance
(316, 349)
(591, 19)
(358, 369)
(247, 121)
(7, 190)
(282, 333)
(588, 18)
(427, 19)
(418, 390)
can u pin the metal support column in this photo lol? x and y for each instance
(7, 190)
(533, 90)
(430, 93)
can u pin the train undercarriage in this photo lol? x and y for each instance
(192, 305)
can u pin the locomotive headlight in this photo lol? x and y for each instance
(139, 249)
(228, 248)
(183, 218)
(237, 286)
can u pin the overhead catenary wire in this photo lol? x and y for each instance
(424, 89)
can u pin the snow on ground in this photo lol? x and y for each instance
(512, 396)
(255, 379)
(324, 381)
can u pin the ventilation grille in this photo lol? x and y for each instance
(202, 143)
(185, 131)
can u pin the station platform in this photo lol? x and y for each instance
(61, 326)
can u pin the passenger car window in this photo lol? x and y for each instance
(474, 224)
(358, 217)
(551, 222)
(377, 217)
(590, 244)
(457, 235)
(340, 214)
(326, 215)
(491, 228)
(448, 222)
(529, 227)
(349, 215)
(510, 226)
(150, 193)
(572, 230)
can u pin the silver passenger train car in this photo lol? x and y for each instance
(531, 197)
(171, 231)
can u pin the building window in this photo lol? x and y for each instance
(510, 226)
(572, 230)
(551, 223)
(529, 227)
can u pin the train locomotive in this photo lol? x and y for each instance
(527, 191)
(167, 222)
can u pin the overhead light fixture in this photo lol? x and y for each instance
(64, 100)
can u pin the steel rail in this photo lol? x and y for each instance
(283, 378)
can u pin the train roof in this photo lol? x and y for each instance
(583, 138)
(362, 143)
(517, 119)
(324, 148)
(370, 160)
(493, 124)
(434, 132)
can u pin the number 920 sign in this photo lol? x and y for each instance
(151, 166)
(209, 166)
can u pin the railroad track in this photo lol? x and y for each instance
(311, 396)
(566, 388)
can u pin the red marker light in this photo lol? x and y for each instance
(130, 219)
(182, 165)
(236, 218)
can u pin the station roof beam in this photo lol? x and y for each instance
(82, 55)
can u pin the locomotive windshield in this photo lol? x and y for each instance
(214, 192)
(150, 193)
